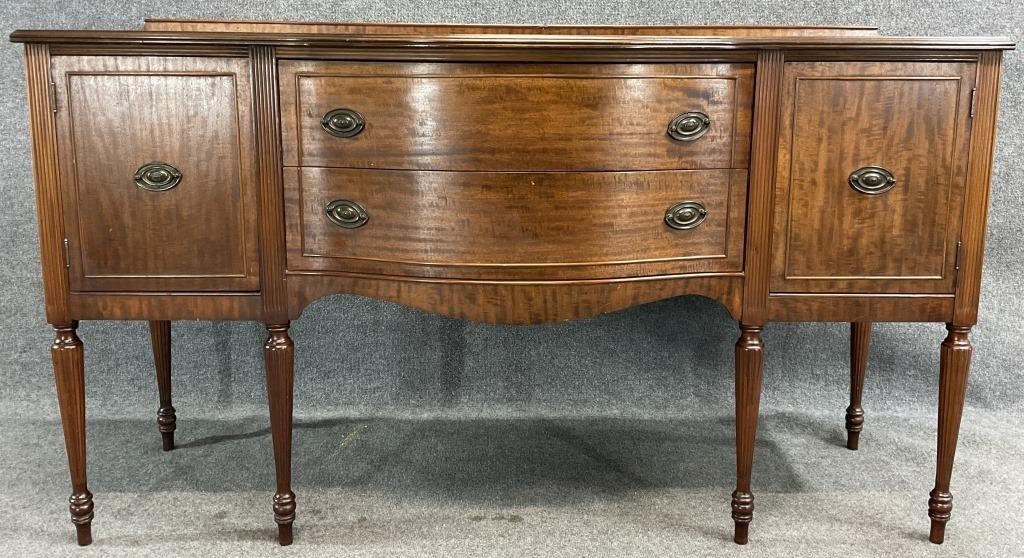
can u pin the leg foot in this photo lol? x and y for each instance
(279, 355)
(742, 513)
(68, 356)
(284, 515)
(860, 341)
(749, 366)
(81, 507)
(954, 363)
(166, 420)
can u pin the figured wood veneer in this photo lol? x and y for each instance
(543, 117)
(515, 226)
(120, 114)
(910, 119)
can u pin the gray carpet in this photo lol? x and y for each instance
(423, 435)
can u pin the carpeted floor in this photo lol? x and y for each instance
(516, 487)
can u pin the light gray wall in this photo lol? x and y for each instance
(358, 356)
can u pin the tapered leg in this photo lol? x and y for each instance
(160, 334)
(69, 372)
(749, 365)
(279, 354)
(954, 362)
(860, 341)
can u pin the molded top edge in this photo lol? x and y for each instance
(510, 41)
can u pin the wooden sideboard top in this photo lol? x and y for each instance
(171, 32)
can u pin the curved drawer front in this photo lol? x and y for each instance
(476, 117)
(539, 226)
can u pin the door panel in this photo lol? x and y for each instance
(834, 232)
(116, 115)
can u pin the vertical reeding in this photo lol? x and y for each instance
(955, 361)
(764, 150)
(979, 177)
(47, 179)
(267, 130)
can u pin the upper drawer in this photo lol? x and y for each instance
(485, 117)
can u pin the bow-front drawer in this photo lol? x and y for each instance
(486, 225)
(479, 117)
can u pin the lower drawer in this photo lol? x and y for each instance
(536, 226)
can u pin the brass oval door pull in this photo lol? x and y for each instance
(872, 180)
(347, 214)
(157, 177)
(689, 126)
(685, 215)
(343, 123)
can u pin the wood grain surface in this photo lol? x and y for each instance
(514, 225)
(515, 118)
(911, 119)
(116, 115)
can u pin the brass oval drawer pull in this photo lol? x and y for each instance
(343, 123)
(872, 180)
(689, 126)
(685, 215)
(347, 214)
(157, 177)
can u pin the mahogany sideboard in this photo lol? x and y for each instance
(221, 170)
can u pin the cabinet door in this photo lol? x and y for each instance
(870, 177)
(186, 226)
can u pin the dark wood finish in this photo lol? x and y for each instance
(515, 226)
(908, 118)
(428, 44)
(69, 371)
(955, 360)
(749, 372)
(515, 303)
(759, 197)
(267, 125)
(512, 175)
(279, 356)
(47, 180)
(860, 342)
(979, 179)
(160, 336)
(555, 117)
(166, 306)
(803, 307)
(234, 26)
(198, 235)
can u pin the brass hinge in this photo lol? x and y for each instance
(974, 98)
(53, 97)
(67, 255)
(956, 263)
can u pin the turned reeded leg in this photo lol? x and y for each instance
(749, 365)
(279, 354)
(954, 362)
(69, 372)
(160, 334)
(860, 341)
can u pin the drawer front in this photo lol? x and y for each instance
(871, 175)
(156, 173)
(514, 225)
(478, 117)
